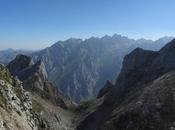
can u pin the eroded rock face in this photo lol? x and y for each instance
(34, 77)
(143, 96)
(51, 107)
(21, 63)
(141, 67)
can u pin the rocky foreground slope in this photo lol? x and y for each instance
(142, 97)
(15, 104)
(43, 107)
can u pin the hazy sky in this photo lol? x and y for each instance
(33, 24)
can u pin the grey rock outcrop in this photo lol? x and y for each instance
(34, 77)
(15, 104)
(52, 108)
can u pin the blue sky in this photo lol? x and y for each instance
(35, 24)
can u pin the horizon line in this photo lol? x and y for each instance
(87, 38)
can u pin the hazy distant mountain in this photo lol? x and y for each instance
(7, 55)
(80, 68)
(142, 98)
(153, 45)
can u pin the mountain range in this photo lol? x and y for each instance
(80, 68)
(8, 55)
(141, 98)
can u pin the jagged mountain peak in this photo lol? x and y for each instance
(74, 40)
(146, 66)
(169, 46)
(19, 63)
(137, 50)
(165, 38)
(106, 37)
(35, 79)
(24, 58)
(68, 42)
(143, 66)
(156, 59)
(107, 88)
(135, 59)
(23, 67)
(118, 36)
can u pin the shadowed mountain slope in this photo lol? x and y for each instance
(143, 95)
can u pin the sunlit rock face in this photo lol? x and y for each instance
(52, 108)
(15, 104)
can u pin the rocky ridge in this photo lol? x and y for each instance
(53, 108)
(15, 104)
(143, 95)
(34, 78)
